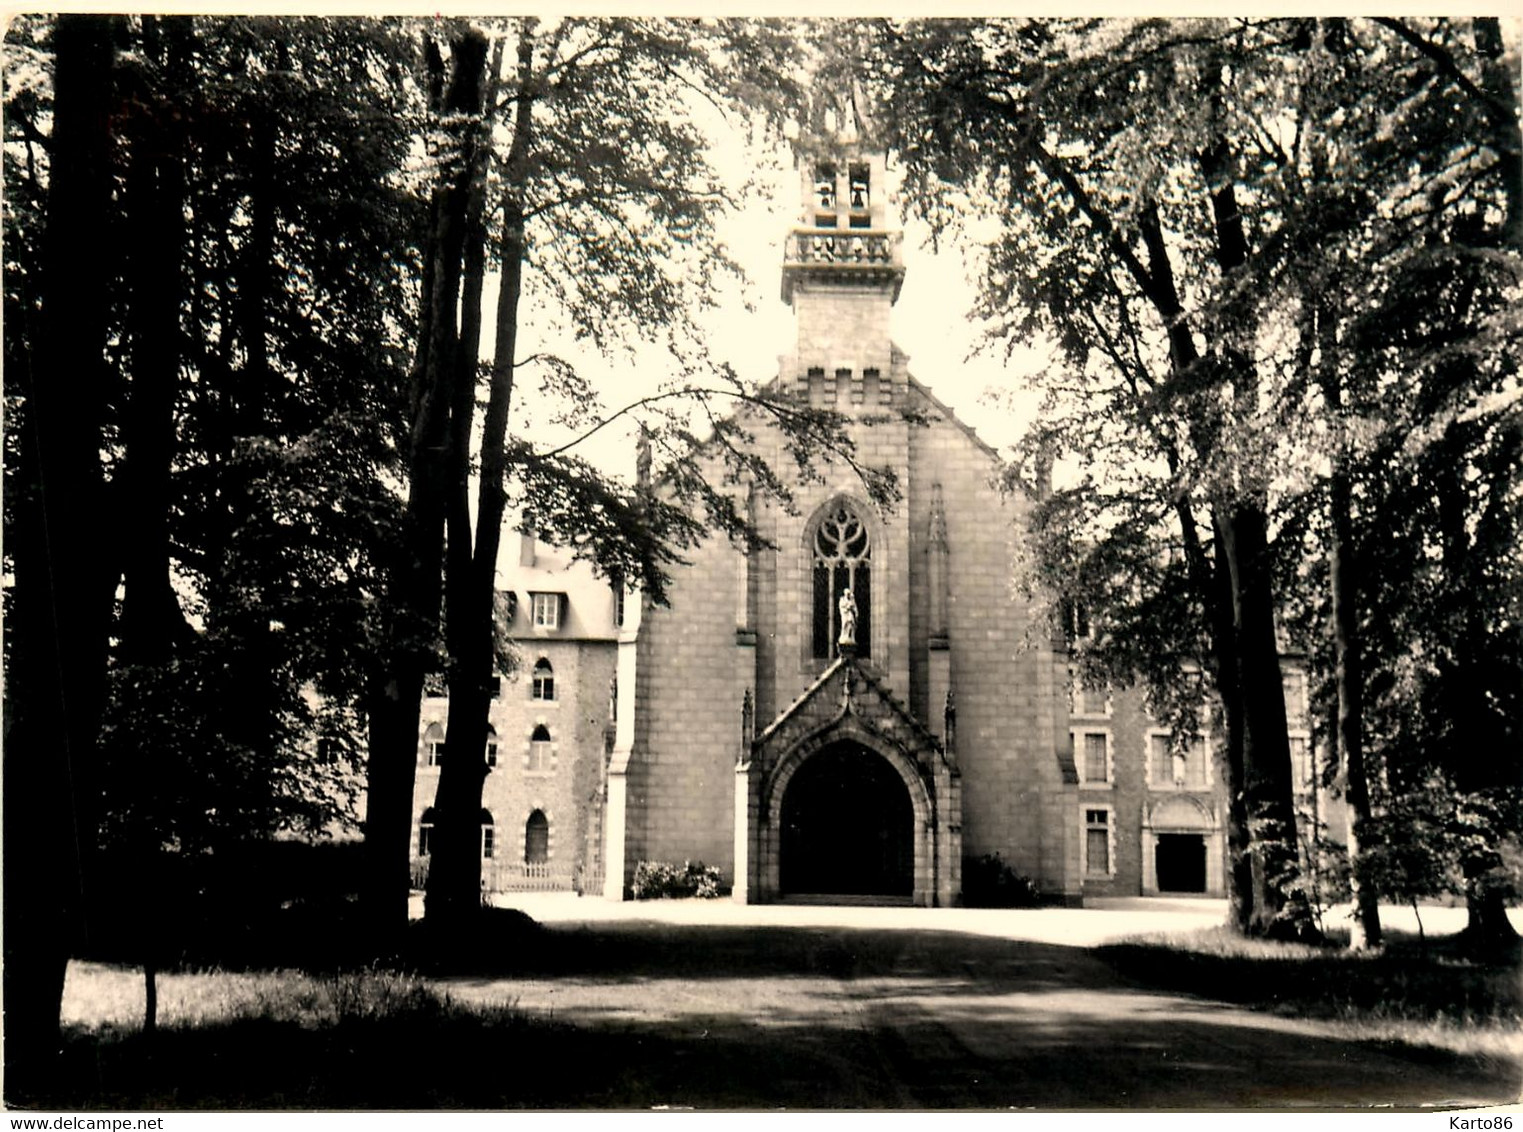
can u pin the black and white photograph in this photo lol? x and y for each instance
(839, 562)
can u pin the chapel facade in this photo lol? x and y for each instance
(855, 707)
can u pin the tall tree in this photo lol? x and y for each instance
(1122, 159)
(242, 395)
(1217, 223)
(602, 205)
(58, 611)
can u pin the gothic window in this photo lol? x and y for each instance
(841, 552)
(488, 835)
(425, 831)
(541, 758)
(544, 681)
(537, 839)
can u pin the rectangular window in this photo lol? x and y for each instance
(1097, 842)
(858, 181)
(436, 753)
(487, 841)
(1160, 761)
(1294, 684)
(539, 757)
(1300, 764)
(547, 611)
(1197, 761)
(825, 186)
(491, 752)
(1091, 700)
(1096, 762)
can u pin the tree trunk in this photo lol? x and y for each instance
(152, 622)
(1213, 581)
(1266, 743)
(1242, 529)
(416, 584)
(1364, 931)
(59, 616)
(456, 888)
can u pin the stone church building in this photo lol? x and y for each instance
(856, 709)
(806, 763)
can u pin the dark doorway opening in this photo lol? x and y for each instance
(1181, 861)
(848, 828)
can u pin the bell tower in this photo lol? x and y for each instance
(842, 269)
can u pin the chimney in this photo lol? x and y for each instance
(526, 542)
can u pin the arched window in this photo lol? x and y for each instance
(425, 831)
(537, 839)
(540, 755)
(433, 745)
(841, 550)
(544, 681)
(487, 832)
(491, 745)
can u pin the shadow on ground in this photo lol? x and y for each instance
(639, 1015)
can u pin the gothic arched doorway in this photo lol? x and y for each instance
(848, 827)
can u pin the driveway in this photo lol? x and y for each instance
(719, 1005)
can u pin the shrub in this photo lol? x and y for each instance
(988, 882)
(657, 880)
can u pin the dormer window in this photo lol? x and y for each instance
(858, 188)
(546, 610)
(825, 187)
(507, 605)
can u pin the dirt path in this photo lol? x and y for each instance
(802, 1012)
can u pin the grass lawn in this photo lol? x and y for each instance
(1411, 991)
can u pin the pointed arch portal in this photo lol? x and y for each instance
(848, 826)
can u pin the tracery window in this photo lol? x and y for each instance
(841, 552)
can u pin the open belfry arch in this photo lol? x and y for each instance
(849, 708)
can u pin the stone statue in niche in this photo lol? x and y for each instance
(848, 608)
